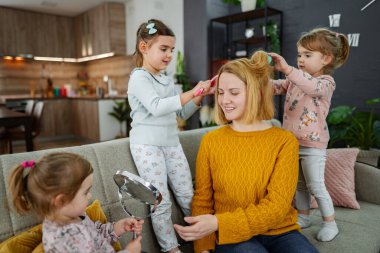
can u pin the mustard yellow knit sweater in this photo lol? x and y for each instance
(248, 180)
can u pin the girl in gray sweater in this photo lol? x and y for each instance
(155, 145)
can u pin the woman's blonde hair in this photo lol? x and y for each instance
(328, 43)
(34, 187)
(146, 34)
(256, 73)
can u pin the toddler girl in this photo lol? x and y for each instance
(57, 189)
(308, 92)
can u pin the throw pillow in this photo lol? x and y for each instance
(31, 241)
(340, 177)
(24, 242)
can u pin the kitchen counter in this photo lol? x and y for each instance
(5, 98)
(85, 116)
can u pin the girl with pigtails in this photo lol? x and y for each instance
(57, 189)
(309, 89)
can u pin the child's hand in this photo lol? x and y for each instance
(127, 225)
(135, 245)
(280, 64)
(202, 88)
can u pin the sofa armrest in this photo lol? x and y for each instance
(367, 183)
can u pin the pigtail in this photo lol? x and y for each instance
(344, 52)
(137, 55)
(18, 188)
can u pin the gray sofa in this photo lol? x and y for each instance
(360, 229)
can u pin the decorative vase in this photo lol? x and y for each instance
(247, 5)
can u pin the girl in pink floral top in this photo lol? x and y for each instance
(308, 92)
(57, 189)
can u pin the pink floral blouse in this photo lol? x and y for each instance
(82, 237)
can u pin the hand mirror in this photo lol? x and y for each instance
(132, 187)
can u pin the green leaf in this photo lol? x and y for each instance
(340, 114)
(234, 2)
(120, 111)
(372, 101)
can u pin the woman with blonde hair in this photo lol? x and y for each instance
(246, 171)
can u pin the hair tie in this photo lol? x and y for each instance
(337, 35)
(28, 164)
(269, 59)
(151, 28)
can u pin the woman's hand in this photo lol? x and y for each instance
(128, 225)
(200, 227)
(280, 64)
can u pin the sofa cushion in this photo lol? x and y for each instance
(358, 230)
(340, 177)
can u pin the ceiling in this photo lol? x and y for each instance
(69, 8)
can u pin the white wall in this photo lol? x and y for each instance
(168, 11)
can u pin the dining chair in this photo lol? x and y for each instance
(4, 141)
(18, 133)
(29, 107)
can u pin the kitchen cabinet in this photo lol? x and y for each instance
(25, 32)
(229, 38)
(101, 30)
(56, 118)
(84, 117)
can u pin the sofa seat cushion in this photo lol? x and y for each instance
(358, 229)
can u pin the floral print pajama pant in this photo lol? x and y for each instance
(163, 166)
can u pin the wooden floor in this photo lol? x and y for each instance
(44, 143)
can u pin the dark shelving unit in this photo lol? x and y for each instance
(227, 36)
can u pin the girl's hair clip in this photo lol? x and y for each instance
(28, 164)
(151, 28)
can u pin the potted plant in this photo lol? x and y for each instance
(180, 73)
(349, 127)
(271, 30)
(246, 5)
(121, 111)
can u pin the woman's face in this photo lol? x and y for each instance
(232, 96)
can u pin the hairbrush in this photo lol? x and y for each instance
(212, 82)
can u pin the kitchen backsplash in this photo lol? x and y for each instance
(30, 77)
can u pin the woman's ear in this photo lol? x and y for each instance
(142, 46)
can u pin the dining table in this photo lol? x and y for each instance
(10, 118)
